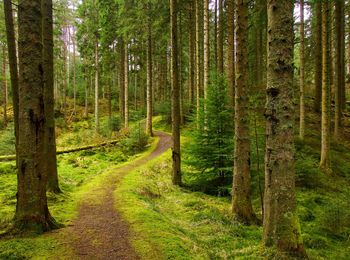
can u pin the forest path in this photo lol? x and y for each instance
(99, 232)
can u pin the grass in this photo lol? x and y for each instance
(176, 223)
(79, 173)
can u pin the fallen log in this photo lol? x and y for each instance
(7, 158)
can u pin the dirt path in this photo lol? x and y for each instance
(99, 232)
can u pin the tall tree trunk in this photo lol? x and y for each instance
(231, 50)
(281, 225)
(4, 83)
(206, 47)
(302, 73)
(215, 52)
(97, 117)
(121, 80)
(176, 156)
(325, 124)
(339, 87)
(220, 61)
(86, 95)
(74, 77)
(126, 86)
(12, 54)
(32, 212)
(149, 130)
(198, 61)
(191, 44)
(318, 56)
(241, 201)
(49, 101)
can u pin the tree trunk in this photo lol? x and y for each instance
(339, 87)
(220, 62)
(191, 62)
(49, 101)
(121, 80)
(215, 41)
(149, 130)
(176, 156)
(4, 84)
(325, 124)
(281, 224)
(126, 86)
(206, 47)
(241, 201)
(97, 118)
(231, 50)
(74, 78)
(318, 56)
(198, 62)
(32, 212)
(302, 73)
(12, 54)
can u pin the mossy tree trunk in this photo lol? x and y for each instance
(318, 56)
(32, 212)
(175, 97)
(302, 73)
(325, 124)
(4, 84)
(339, 88)
(50, 136)
(281, 227)
(241, 201)
(12, 54)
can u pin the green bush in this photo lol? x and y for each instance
(211, 152)
(136, 141)
(163, 109)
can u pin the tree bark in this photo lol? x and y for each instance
(302, 73)
(12, 54)
(325, 124)
(126, 86)
(220, 61)
(191, 44)
(175, 97)
(241, 200)
(206, 47)
(97, 117)
(32, 212)
(318, 56)
(149, 130)
(198, 62)
(4, 84)
(121, 80)
(49, 101)
(231, 50)
(281, 225)
(339, 88)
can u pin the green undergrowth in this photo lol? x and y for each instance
(175, 223)
(185, 223)
(79, 174)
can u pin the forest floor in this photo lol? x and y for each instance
(99, 232)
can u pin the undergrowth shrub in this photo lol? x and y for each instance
(211, 151)
(164, 109)
(135, 141)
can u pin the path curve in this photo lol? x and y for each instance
(99, 232)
